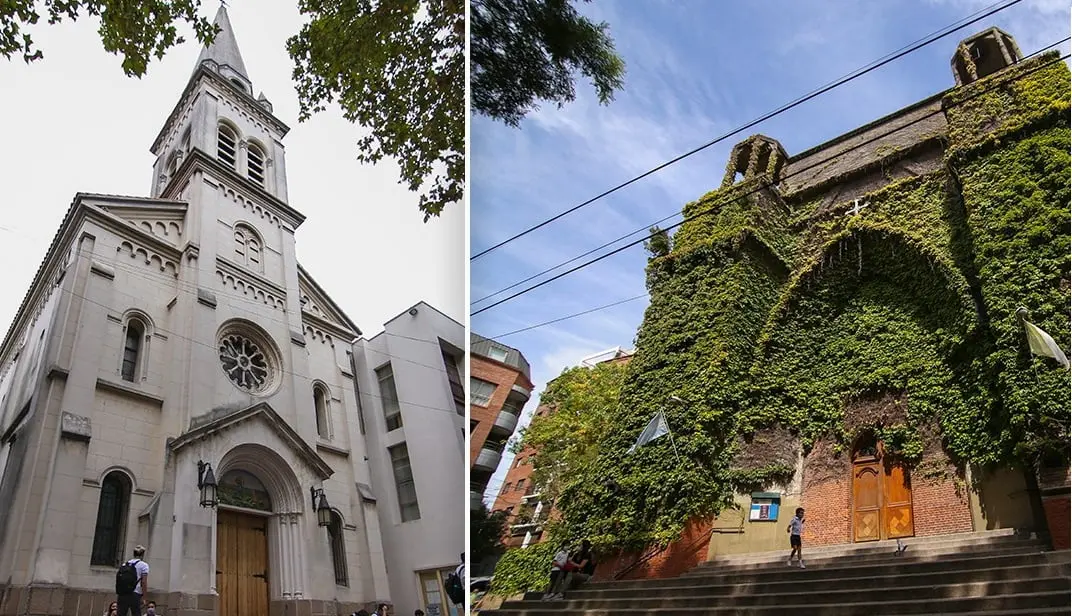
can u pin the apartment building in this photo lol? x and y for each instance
(519, 497)
(499, 386)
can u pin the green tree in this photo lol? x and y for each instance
(485, 533)
(137, 31)
(568, 440)
(397, 68)
(526, 51)
(658, 245)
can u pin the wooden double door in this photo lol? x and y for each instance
(241, 563)
(881, 497)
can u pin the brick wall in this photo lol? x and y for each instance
(939, 508)
(1058, 511)
(826, 496)
(680, 556)
(828, 507)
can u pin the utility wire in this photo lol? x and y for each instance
(571, 316)
(807, 97)
(734, 197)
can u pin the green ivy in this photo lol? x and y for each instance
(778, 312)
(523, 569)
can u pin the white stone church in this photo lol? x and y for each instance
(175, 379)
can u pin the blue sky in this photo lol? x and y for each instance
(695, 70)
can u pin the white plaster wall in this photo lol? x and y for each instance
(434, 436)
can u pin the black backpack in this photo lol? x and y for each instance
(455, 590)
(126, 579)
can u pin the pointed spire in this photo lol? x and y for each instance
(224, 48)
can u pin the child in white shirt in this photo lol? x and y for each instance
(795, 528)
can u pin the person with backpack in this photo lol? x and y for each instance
(455, 584)
(131, 584)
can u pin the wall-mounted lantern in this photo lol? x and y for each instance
(320, 505)
(206, 483)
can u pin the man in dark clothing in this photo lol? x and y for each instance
(583, 567)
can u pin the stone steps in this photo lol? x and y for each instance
(920, 554)
(948, 543)
(984, 574)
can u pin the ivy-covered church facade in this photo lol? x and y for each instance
(838, 330)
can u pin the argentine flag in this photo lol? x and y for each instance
(1042, 344)
(656, 427)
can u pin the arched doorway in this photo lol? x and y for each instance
(242, 544)
(881, 493)
(260, 554)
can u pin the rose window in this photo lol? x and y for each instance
(244, 362)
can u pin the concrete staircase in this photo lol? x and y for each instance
(988, 573)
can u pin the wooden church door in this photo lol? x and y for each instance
(881, 495)
(242, 563)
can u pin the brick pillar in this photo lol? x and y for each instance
(1054, 486)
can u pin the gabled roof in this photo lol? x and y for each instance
(215, 422)
(224, 48)
(321, 305)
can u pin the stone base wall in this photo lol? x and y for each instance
(51, 600)
(306, 607)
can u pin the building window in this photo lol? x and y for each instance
(111, 520)
(457, 390)
(392, 413)
(480, 392)
(248, 248)
(320, 405)
(520, 485)
(407, 490)
(255, 163)
(498, 353)
(472, 425)
(338, 550)
(131, 349)
(226, 145)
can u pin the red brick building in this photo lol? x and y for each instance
(499, 387)
(518, 497)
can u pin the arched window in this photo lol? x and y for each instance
(132, 338)
(248, 249)
(338, 550)
(320, 405)
(226, 145)
(108, 537)
(255, 163)
(173, 164)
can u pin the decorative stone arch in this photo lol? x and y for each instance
(228, 138)
(119, 469)
(854, 240)
(322, 408)
(248, 246)
(257, 162)
(286, 541)
(135, 318)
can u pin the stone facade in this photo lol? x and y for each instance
(166, 331)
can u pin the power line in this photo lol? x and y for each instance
(571, 316)
(807, 97)
(734, 197)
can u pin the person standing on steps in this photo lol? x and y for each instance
(795, 528)
(131, 584)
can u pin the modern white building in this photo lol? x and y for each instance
(413, 404)
(172, 353)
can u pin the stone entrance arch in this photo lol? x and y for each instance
(283, 513)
